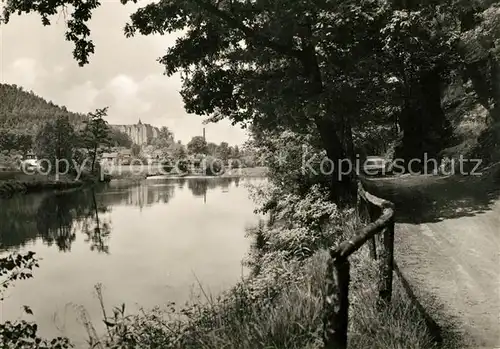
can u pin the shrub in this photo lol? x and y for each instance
(235, 163)
(212, 166)
(183, 165)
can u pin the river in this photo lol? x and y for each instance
(147, 243)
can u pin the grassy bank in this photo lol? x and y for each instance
(25, 184)
(11, 187)
(247, 172)
(280, 305)
(289, 319)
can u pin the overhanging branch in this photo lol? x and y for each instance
(249, 32)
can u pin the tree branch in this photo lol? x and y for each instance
(249, 32)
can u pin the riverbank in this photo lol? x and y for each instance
(247, 172)
(250, 172)
(280, 305)
(26, 184)
(11, 187)
(138, 173)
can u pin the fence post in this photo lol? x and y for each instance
(366, 214)
(387, 264)
(336, 304)
(372, 217)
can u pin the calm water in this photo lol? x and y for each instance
(147, 243)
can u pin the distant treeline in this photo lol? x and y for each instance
(23, 112)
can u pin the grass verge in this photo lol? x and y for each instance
(250, 318)
(33, 184)
(11, 187)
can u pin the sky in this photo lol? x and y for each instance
(123, 73)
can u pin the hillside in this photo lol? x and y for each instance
(23, 112)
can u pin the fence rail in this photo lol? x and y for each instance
(380, 216)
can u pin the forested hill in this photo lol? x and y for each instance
(23, 112)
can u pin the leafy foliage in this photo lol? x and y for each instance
(15, 141)
(165, 138)
(16, 267)
(56, 141)
(282, 67)
(197, 145)
(95, 135)
(178, 151)
(24, 113)
(119, 138)
(212, 166)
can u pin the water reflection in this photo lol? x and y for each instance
(56, 219)
(199, 187)
(53, 218)
(97, 229)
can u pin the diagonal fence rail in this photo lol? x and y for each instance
(380, 215)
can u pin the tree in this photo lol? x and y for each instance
(289, 67)
(119, 138)
(212, 149)
(197, 145)
(95, 134)
(223, 151)
(165, 138)
(55, 142)
(212, 166)
(256, 63)
(178, 151)
(235, 152)
(12, 140)
(136, 150)
(24, 113)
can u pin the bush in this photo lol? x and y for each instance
(235, 163)
(183, 165)
(212, 166)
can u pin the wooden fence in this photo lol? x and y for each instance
(380, 216)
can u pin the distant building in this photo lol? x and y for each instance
(140, 134)
(125, 156)
(109, 159)
(155, 156)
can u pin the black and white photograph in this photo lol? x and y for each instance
(250, 174)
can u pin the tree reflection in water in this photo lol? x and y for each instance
(97, 230)
(200, 186)
(181, 182)
(58, 218)
(54, 221)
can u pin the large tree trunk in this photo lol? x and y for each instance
(478, 73)
(426, 131)
(334, 130)
(343, 179)
(485, 77)
(495, 90)
(94, 157)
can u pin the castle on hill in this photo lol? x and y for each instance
(140, 134)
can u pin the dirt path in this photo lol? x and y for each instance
(448, 246)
